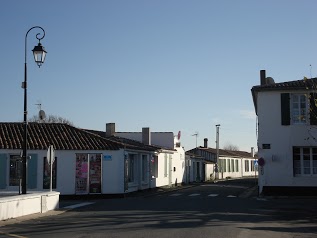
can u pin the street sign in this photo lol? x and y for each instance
(255, 162)
(50, 159)
(50, 154)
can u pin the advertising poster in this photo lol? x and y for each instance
(95, 173)
(82, 173)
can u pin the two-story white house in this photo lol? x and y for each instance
(287, 135)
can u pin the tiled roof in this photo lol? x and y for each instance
(128, 143)
(224, 153)
(61, 136)
(303, 84)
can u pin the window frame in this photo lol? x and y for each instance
(132, 168)
(301, 116)
(300, 155)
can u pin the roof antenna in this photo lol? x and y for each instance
(310, 71)
(42, 115)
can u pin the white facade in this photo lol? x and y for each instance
(231, 167)
(170, 168)
(278, 142)
(113, 176)
(278, 168)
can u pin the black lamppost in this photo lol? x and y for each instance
(39, 57)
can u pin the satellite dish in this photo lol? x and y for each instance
(42, 115)
(270, 80)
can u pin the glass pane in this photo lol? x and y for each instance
(95, 173)
(81, 173)
(295, 97)
(306, 170)
(15, 170)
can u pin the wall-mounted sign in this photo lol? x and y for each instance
(107, 157)
(266, 146)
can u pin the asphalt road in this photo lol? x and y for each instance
(206, 210)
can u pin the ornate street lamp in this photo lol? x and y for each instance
(39, 57)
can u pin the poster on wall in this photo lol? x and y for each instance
(47, 174)
(81, 174)
(94, 173)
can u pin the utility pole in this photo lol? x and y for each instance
(217, 151)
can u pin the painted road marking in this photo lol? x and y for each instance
(78, 205)
(213, 195)
(12, 235)
(194, 194)
(231, 196)
(175, 194)
(222, 185)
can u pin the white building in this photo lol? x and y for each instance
(85, 163)
(287, 133)
(231, 164)
(170, 157)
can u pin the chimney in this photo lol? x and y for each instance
(146, 136)
(263, 77)
(205, 143)
(252, 151)
(110, 129)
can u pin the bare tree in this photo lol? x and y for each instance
(231, 147)
(51, 119)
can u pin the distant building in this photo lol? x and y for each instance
(231, 164)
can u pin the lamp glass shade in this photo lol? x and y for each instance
(39, 54)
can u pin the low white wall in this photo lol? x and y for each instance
(26, 204)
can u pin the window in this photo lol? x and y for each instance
(229, 168)
(224, 165)
(144, 168)
(131, 168)
(237, 165)
(246, 166)
(305, 161)
(232, 165)
(298, 109)
(15, 170)
(252, 165)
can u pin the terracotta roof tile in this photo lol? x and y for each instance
(303, 84)
(224, 153)
(128, 143)
(62, 136)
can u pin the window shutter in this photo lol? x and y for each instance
(285, 109)
(313, 109)
(3, 171)
(32, 172)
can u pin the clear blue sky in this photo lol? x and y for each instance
(169, 65)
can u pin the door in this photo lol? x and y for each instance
(94, 173)
(82, 168)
